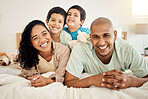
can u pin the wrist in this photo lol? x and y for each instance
(137, 82)
(49, 81)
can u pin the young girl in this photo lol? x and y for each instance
(38, 53)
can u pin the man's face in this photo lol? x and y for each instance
(103, 38)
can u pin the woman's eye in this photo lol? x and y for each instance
(44, 33)
(35, 38)
(52, 20)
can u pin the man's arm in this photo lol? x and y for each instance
(137, 82)
(123, 81)
(72, 81)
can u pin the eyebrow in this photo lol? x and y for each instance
(36, 35)
(71, 12)
(106, 33)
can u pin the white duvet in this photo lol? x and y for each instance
(14, 87)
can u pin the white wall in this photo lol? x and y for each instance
(16, 14)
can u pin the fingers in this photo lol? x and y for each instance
(113, 73)
(40, 84)
(29, 78)
(107, 85)
(114, 79)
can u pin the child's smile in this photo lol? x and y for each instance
(73, 18)
(56, 23)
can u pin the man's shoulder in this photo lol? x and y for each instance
(123, 46)
(83, 46)
(120, 43)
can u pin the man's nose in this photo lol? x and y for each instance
(101, 41)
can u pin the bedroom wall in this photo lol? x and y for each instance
(15, 14)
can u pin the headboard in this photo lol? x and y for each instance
(18, 37)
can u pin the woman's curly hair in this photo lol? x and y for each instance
(28, 55)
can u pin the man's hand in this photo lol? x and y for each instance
(116, 80)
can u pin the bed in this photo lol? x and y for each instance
(14, 87)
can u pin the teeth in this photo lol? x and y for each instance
(44, 44)
(103, 47)
(70, 20)
(54, 27)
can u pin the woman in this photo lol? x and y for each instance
(38, 54)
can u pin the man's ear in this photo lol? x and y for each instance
(46, 22)
(115, 35)
(81, 22)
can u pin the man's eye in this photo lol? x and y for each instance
(106, 35)
(95, 37)
(52, 20)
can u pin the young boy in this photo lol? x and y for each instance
(56, 19)
(75, 18)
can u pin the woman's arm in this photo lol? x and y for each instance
(62, 62)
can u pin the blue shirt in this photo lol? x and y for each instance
(75, 34)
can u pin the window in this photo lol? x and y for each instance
(140, 8)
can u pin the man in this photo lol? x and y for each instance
(106, 57)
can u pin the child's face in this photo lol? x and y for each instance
(40, 38)
(73, 18)
(55, 23)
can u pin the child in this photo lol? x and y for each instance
(75, 18)
(38, 54)
(56, 19)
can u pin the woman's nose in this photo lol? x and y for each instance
(42, 39)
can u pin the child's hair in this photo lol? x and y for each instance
(57, 10)
(81, 10)
(28, 55)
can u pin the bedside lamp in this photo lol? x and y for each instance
(142, 28)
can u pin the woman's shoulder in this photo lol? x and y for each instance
(59, 47)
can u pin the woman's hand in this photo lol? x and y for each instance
(39, 80)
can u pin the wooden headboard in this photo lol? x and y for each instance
(18, 37)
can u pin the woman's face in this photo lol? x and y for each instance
(40, 38)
